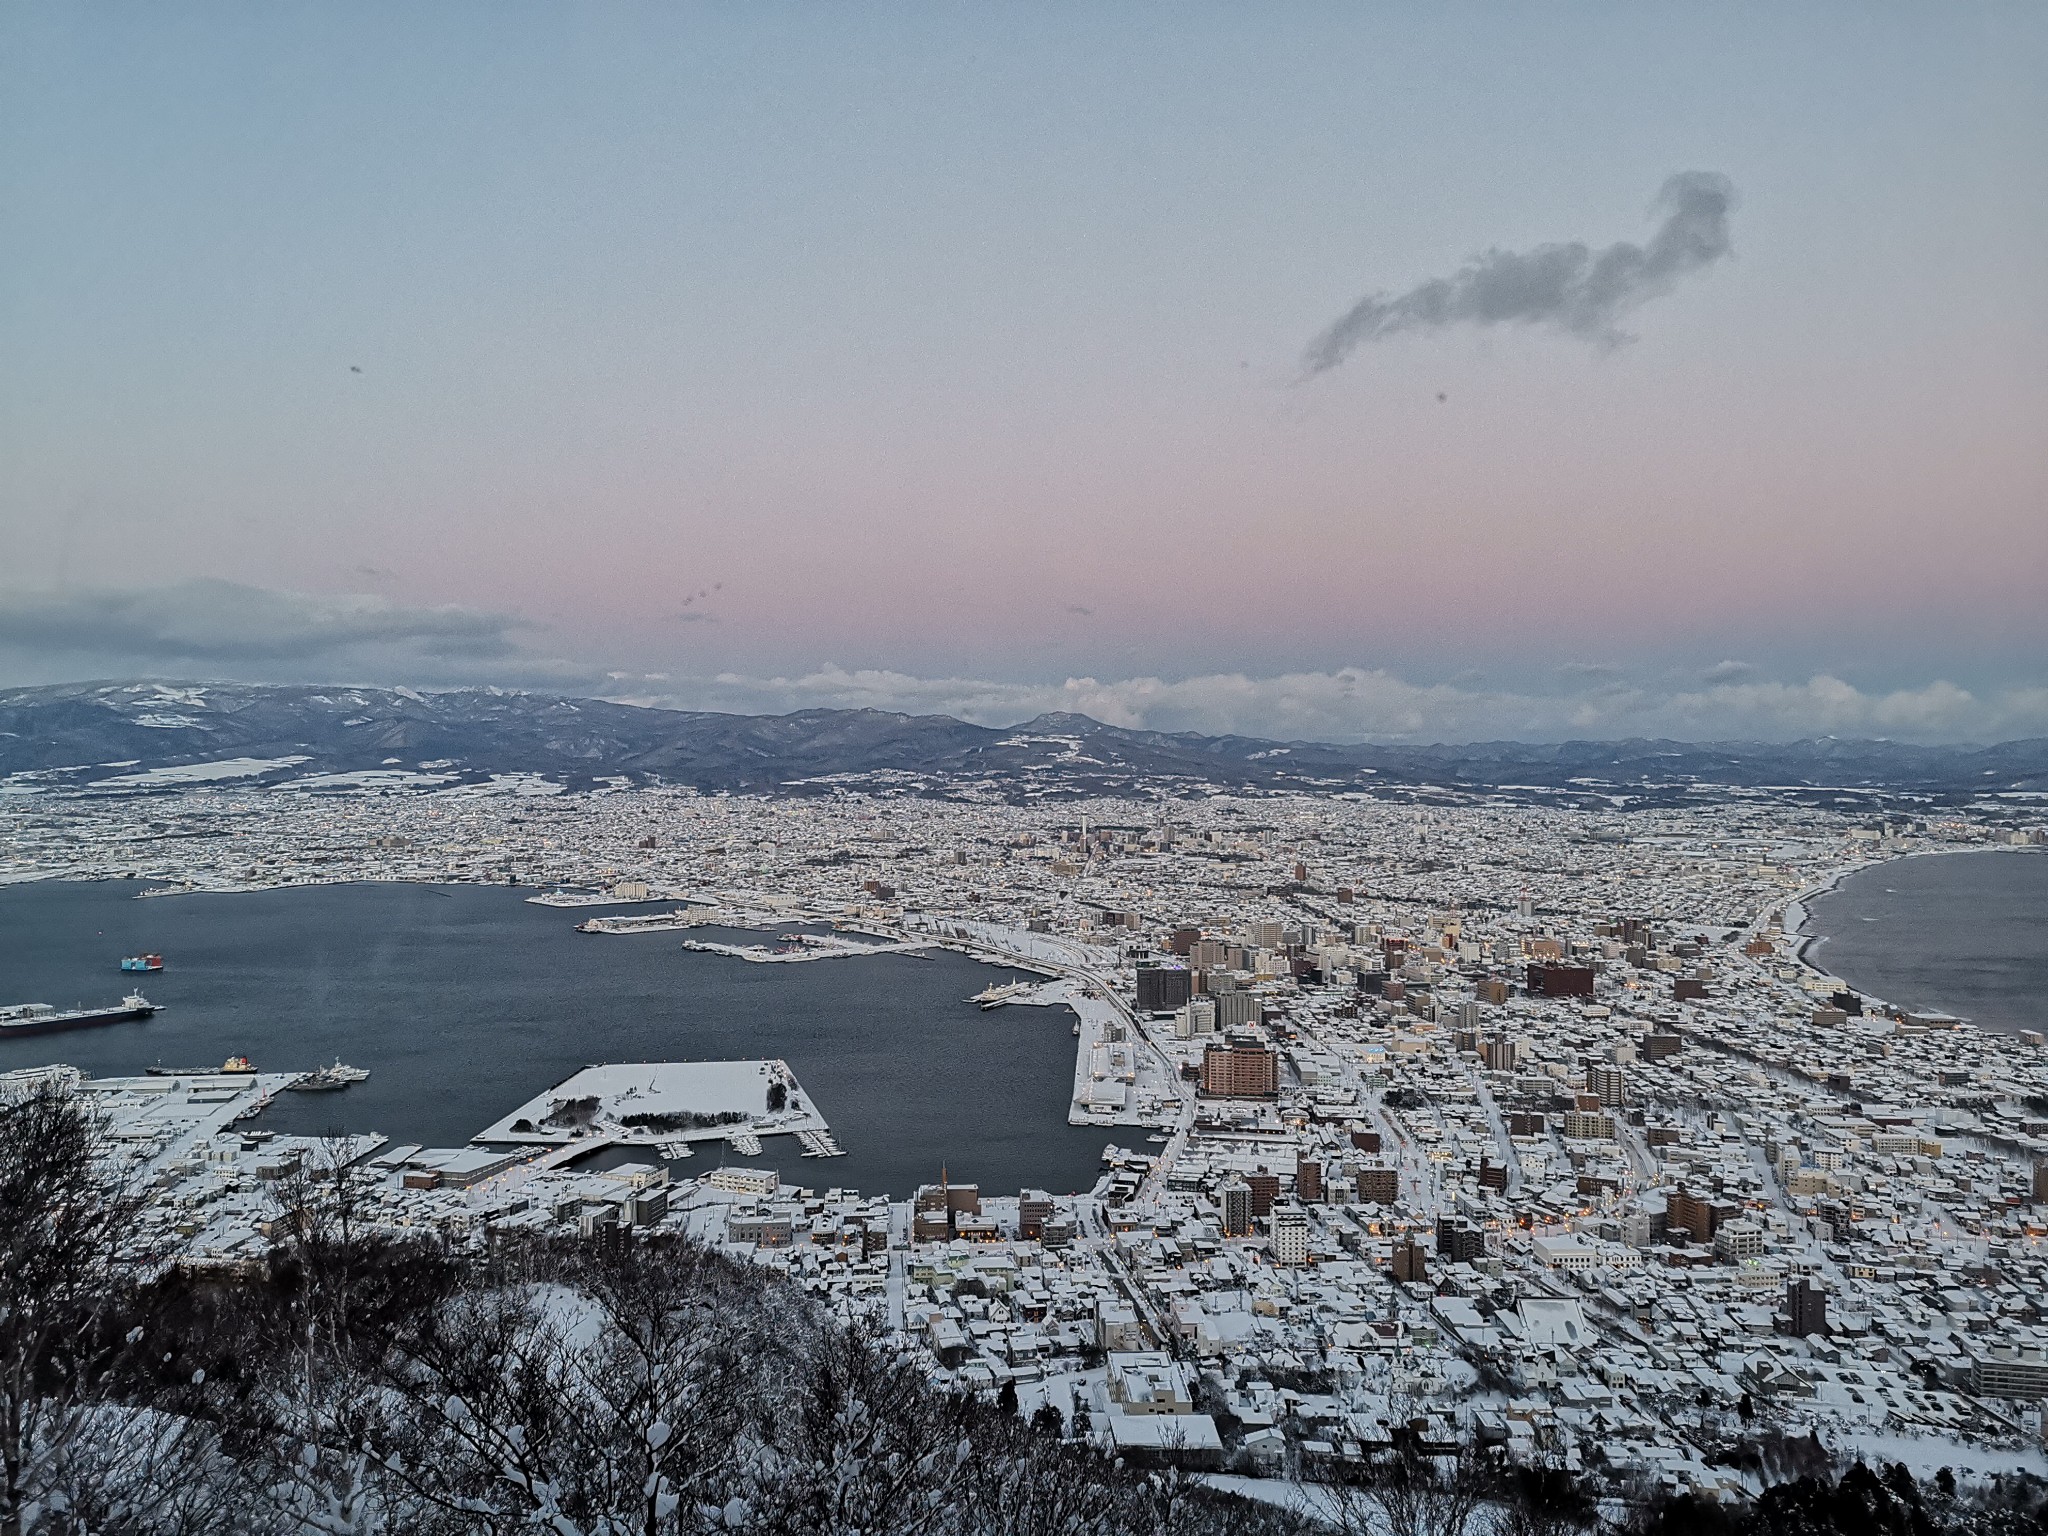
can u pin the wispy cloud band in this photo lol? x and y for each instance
(214, 629)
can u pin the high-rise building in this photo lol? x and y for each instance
(1308, 1180)
(1459, 1241)
(1698, 1217)
(1034, 1209)
(1587, 1125)
(1806, 1307)
(1554, 980)
(1607, 1084)
(1737, 1242)
(1236, 1196)
(1265, 1188)
(1502, 1055)
(1377, 1185)
(1235, 1010)
(1240, 1071)
(1162, 988)
(1288, 1239)
(1410, 1262)
(2041, 1183)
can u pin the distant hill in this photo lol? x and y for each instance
(74, 735)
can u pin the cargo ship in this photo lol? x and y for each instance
(234, 1065)
(42, 1019)
(143, 963)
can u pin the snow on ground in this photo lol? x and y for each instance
(1926, 1457)
(367, 778)
(199, 773)
(677, 1088)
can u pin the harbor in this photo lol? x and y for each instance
(466, 1001)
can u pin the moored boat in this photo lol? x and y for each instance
(42, 1019)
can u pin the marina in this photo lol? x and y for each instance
(819, 1144)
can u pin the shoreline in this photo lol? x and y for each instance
(1799, 911)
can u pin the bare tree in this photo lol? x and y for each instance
(1409, 1490)
(79, 1449)
(1542, 1501)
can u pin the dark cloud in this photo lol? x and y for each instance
(1086, 613)
(1577, 289)
(224, 621)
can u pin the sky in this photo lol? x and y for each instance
(1331, 371)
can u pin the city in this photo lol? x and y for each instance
(1533, 1123)
(904, 769)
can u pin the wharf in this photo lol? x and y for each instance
(809, 946)
(657, 1104)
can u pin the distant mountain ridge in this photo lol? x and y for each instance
(66, 733)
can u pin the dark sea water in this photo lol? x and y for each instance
(1964, 933)
(464, 1001)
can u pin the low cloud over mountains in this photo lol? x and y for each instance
(222, 629)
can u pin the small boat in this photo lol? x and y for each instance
(237, 1064)
(1077, 1031)
(143, 963)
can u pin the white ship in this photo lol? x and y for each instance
(995, 997)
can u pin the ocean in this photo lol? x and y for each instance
(464, 1001)
(1961, 933)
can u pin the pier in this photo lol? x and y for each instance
(662, 1104)
(807, 946)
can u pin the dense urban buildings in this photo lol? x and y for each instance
(1532, 1121)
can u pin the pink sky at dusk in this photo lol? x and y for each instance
(969, 349)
